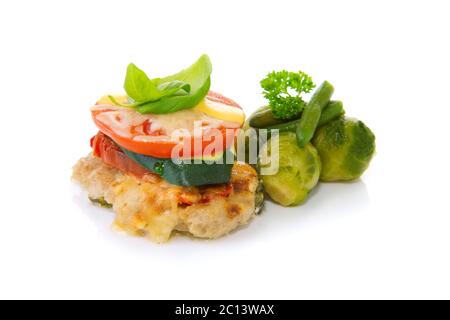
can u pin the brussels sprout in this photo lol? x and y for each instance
(345, 147)
(298, 174)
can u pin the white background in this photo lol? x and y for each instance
(385, 236)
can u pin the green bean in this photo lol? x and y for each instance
(308, 124)
(263, 118)
(333, 110)
(290, 126)
(311, 115)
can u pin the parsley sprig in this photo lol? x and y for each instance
(283, 90)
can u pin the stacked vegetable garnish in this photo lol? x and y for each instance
(165, 118)
(169, 155)
(316, 141)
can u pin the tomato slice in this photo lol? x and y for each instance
(222, 99)
(151, 134)
(111, 154)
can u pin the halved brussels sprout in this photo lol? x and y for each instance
(298, 174)
(346, 147)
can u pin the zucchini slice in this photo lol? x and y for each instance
(187, 174)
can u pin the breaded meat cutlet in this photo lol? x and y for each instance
(149, 206)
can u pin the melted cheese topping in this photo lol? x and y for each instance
(128, 122)
(220, 110)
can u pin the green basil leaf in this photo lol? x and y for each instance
(197, 76)
(182, 90)
(175, 103)
(138, 86)
(142, 89)
(175, 87)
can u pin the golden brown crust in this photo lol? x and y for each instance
(155, 208)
